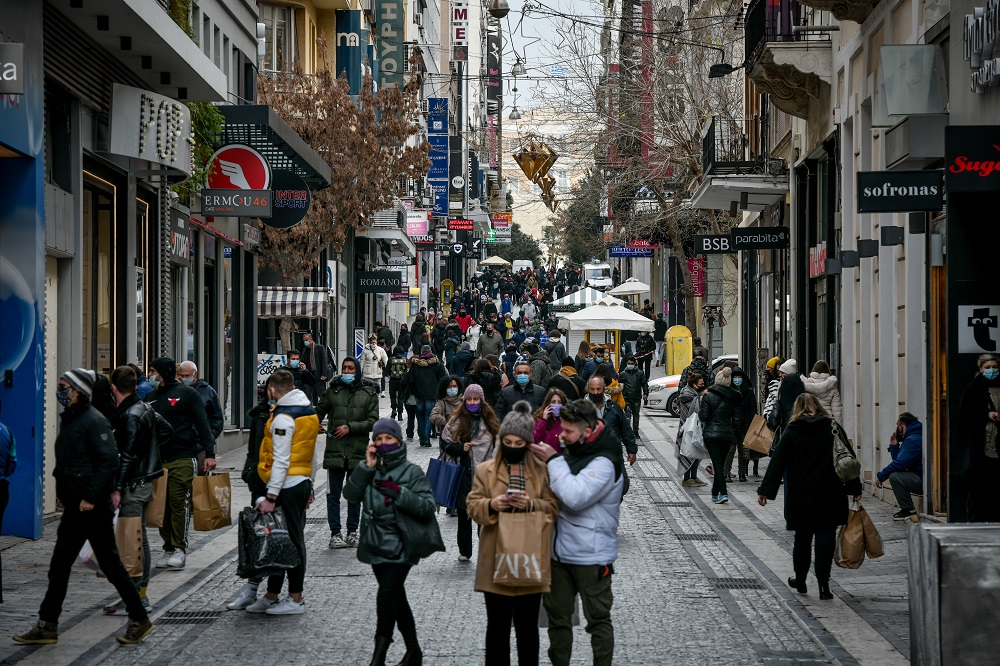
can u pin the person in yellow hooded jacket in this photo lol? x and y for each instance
(286, 467)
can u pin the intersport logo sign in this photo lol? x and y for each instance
(900, 191)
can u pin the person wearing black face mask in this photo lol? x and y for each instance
(613, 416)
(469, 436)
(588, 479)
(511, 481)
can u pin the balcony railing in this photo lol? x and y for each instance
(731, 148)
(777, 20)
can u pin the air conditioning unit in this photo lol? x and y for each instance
(425, 106)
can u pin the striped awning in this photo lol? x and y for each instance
(307, 302)
(581, 299)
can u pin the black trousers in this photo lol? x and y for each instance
(633, 411)
(396, 396)
(522, 610)
(411, 417)
(717, 449)
(293, 502)
(391, 606)
(644, 363)
(464, 533)
(75, 528)
(826, 541)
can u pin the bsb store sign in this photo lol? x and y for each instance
(972, 158)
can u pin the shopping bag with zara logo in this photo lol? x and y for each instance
(212, 501)
(523, 553)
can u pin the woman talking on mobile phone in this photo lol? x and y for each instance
(386, 482)
(513, 480)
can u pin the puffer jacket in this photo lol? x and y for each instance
(590, 505)
(86, 457)
(371, 358)
(139, 432)
(490, 381)
(557, 352)
(720, 413)
(826, 389)
(424, 376)
(356, 406)
(416, 498)
(686, 405)
(634, 384)
(699, 365)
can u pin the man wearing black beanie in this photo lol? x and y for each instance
(184, 409)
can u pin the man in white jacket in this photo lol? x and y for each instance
(588, 480)
(373, 360)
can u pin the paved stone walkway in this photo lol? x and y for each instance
(694, 584)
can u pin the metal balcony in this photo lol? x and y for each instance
(730, 148)
(788, 53)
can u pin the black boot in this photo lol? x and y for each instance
(824, 591)
(798, 585)
(381, 649)
(414, 656)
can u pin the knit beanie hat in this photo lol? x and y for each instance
(387, 426)
(773, 363)
(724, 377)
(568, 361)
(519, 422)
(789, 367)
(81, 379)
(474, 391)
(165, 368)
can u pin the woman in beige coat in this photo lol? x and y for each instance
(514, 480)
(826, 388)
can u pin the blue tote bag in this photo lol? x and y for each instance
(445, 478)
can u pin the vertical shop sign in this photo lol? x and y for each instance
(352, 44)
(696, 267)
(391, 53)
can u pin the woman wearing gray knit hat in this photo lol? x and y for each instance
(470, 437)
(512, 481)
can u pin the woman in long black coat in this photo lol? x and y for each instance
(815, 497)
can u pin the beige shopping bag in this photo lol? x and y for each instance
(128, 537)
(212, 501)
(158, 505)
(524, 550)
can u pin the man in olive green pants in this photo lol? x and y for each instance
(184, 409)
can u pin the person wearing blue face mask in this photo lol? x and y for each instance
(979, 421)
(352, 405)
(747, 410)
(188, 375)
(520, 389)
(305, 380)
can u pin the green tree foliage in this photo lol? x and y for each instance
(522, 246)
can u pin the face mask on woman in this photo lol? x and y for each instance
(737, 381)
(452, 392)
(991, 373)
(556, 408)
(473, 407)
(388, 447)
(514, 454)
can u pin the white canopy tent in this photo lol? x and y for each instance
(494, 261)
(607, 314)
(581, 299)
(630, 286)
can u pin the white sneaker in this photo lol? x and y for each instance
(287, 606)
(162, 562)
(177, 560)
(261, 605)
(247, 596)
(337, 541)
(352, 540)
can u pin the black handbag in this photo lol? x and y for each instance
(381, 537)
(420, 538)
(264, 546)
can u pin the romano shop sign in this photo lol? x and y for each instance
(972, 158)
(900, 191)
(378, 282)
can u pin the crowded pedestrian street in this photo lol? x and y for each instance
(695, 583)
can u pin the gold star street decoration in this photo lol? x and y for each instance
(535, 160)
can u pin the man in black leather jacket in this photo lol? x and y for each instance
(139, 431)
(85, 470)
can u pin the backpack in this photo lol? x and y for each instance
(397, 368)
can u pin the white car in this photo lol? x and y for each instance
(663, 390)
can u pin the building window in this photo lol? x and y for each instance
(277, 37)
(562, 180)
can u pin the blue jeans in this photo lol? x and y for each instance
(334, 489)
(424, 408)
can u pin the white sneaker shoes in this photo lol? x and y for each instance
(177, 559)
(162, 562)
(261, 605)
(247, 596)
(287, 606)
